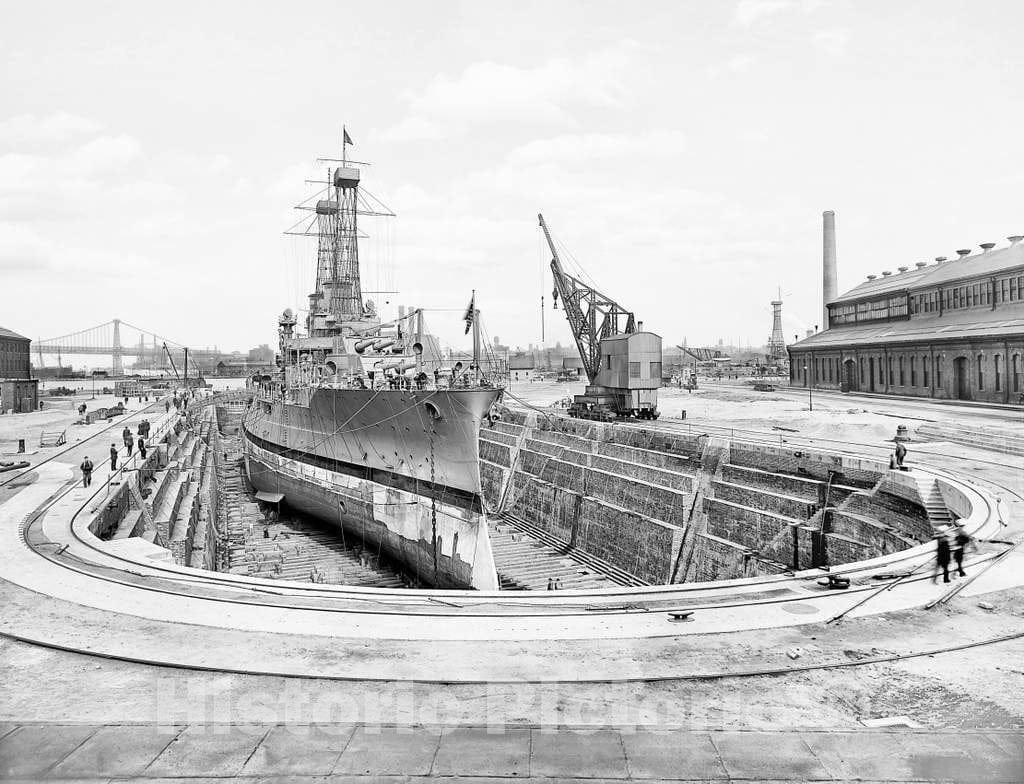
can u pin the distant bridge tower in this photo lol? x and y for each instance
(777, 342)
(117, 353)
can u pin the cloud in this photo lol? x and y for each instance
(489, 93)
(831, 42)
(23, 250)
(103, 154)
(28, 129)
(570, 148)
(749, 12)
(414, 129)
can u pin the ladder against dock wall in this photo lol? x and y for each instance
(50, 438)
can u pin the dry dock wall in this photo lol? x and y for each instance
(611, 493)
(169, 482)
(627, 495)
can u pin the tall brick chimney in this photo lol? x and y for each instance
(829, 284)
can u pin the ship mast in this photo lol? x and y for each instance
(338, 297)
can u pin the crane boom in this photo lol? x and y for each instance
(167, 351)
(592, 316)
(702, 354)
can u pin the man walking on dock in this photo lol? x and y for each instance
(942, 554)
(960, 541)
(142, 447)
(113, 457)
(86, 471)
(128, 441)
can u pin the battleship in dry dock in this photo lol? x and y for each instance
(365, 426)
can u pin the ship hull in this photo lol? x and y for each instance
(395, 475)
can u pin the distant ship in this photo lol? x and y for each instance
(364, 425)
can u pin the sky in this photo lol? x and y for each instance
(151, 156)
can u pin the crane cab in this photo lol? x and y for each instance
(627, 380)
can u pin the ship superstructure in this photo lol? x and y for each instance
(365, 425)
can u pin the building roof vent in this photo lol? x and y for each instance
(940, 259)
(987, 246)
(1015, 238)
(903, 269)
(872, 277)
(963, 252)
(886, 273)
(921, 264)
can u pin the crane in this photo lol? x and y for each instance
(626, 384)
(583, 306)
(170, 359)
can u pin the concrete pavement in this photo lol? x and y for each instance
(354, 752)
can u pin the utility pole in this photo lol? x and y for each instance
(810, 389)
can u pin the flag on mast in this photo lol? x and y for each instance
(470, 311)
(346, 139)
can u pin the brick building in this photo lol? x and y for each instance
(18, 390)
(950, 330)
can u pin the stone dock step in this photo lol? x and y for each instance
(526, 557)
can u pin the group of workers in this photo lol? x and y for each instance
(138, 440)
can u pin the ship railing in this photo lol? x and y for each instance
(411, 384)
(276, 391)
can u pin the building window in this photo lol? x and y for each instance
(861, 370)
(924, 369)
(1016, 372)
(913, 371)
(902, 379)
(938, 372)
(892, 378)
(997, 376)
(655, 370)
(634, 370)
(1013, 289)
(981, 373)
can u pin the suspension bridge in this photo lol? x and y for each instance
(117, 339)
